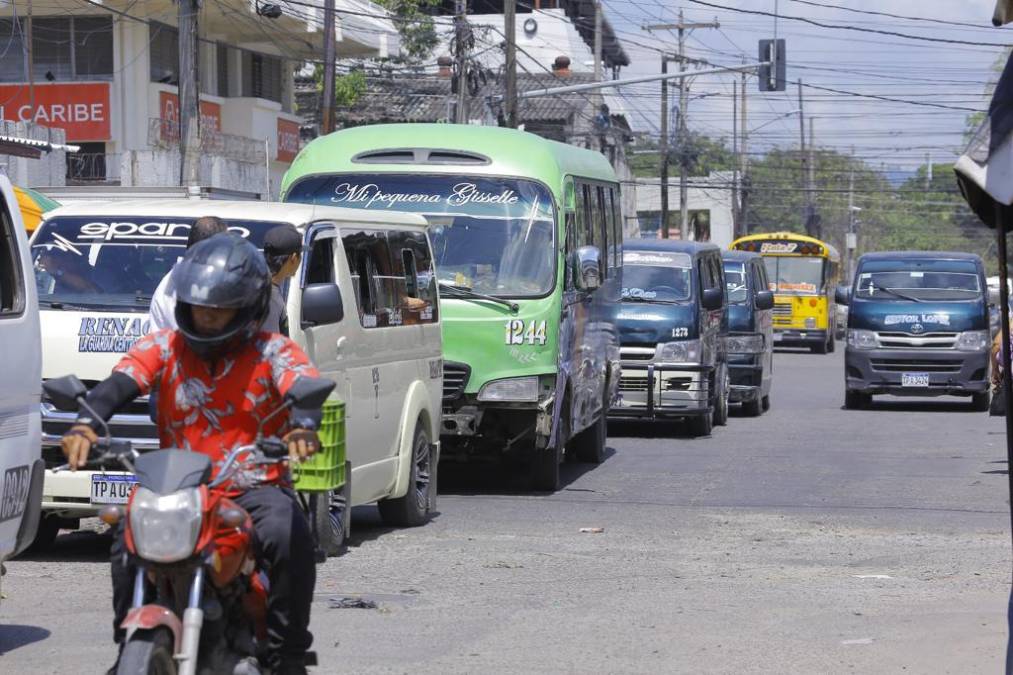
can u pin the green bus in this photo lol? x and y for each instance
(527, 237)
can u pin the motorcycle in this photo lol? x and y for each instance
(193, 547)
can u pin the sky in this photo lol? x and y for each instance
(886, 134)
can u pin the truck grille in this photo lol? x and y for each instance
(782, 314)
(917, 365)
(900, 340)
(639, 383)
(636, 353)
(455, 379)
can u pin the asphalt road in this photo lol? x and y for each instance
(812, 539)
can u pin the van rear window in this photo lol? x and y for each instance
(113, 263)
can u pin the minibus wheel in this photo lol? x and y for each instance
(701, 425)
(753, 407)
(856, 400)
(412, 510)
(590, 443)
(979, 401)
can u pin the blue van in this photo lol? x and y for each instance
(750, 341)
(672, 325)
(917, 326)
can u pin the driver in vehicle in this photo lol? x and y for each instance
(218, 375)
(70, 272)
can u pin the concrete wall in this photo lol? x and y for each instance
(50, 169)
(708, 194)
(151, 168)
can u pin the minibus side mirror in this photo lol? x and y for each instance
(842, 296)
(993, 296)
(321, 305)
(764, 300)
(712, 298)
(588, 268)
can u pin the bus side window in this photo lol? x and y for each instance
(373, 277)
(582, 224)
(600, 238)
(569, 247)
(612, 233)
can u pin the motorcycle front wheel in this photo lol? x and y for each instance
(148, 652)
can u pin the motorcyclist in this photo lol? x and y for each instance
(218, 375)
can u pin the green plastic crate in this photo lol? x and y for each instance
(325, 470)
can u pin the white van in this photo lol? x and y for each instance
(21, 469)
(363, 305)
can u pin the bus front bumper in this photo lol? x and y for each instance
(656, 391)
(791, 337)
(882, 371)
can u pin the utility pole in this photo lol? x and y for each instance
(928, 171)
(682, 27)
(802, 155)
(664, 148)
(510, 30)
(811, 184)
(743, 162)
(31, 62)
(189, 96)
(460, 55)
(597, 99)
(850, 243)
(327, 104)
(735, 153)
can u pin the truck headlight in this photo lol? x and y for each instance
(744, 344)
(165, 528)
(861, 339)
(684, 351)
(973, 341)
(519, 389)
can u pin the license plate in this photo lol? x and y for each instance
(111, 488)
(914, 380)
(778, 337)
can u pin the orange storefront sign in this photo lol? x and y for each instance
(288, 140)
(79, 108)
(168, 106)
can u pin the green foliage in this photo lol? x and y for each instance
(415, 25)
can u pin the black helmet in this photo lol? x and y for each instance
(223, 271)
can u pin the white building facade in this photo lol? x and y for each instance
(709, 204)
(106, 73)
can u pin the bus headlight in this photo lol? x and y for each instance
(685, 351)
(973, 341)
(744, 344)
(861, 339)
(511, 389)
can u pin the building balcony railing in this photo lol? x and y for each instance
(165, 134)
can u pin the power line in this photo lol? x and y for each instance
(892, 16)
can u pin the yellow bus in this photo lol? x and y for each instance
(803, 274)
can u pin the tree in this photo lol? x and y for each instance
(703, 155)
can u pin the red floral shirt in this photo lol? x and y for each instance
(212, 407)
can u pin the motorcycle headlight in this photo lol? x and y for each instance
(973, 341)
(684, 351)
(165, 528)
(510, 389)
(744, 344)
(861, 339)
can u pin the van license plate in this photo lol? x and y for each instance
(111, 488)
(914, 380)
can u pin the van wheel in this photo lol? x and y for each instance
(765, 403)
(721, 400)
(831, 345)
(979, 401)
(856, 400)
(752, 408)
(589, 445)
(701, 425)
(413, 509)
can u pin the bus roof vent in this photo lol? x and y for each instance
(419, 156)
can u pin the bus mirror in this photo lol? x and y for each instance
(712, 298)
(588, 268)
(321, 305)
(764, 300)
(842, 296)
(993, 296)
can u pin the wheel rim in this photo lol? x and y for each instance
(423, 470)
(336, 512)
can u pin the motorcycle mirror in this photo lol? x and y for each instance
(309, 392)
(65, 392)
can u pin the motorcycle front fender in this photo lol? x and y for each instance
(149, 617)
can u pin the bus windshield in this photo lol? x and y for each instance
(656, 276)
(794, 276)
(114, 262)
(490, 235)
(919, 280)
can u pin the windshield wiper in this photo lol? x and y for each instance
(464, 292)
(59, 304)
(898, 294)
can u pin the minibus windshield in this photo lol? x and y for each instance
(656, 276)
(490, 235)
(97, 262)
(919, 280)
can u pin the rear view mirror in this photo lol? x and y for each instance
(764, 300)
(321, 305)
(588, 268)
(65, 391)
(712, 298)
(842, 296)
(993, 296)
(309, 392)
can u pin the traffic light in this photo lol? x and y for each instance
(772, 75)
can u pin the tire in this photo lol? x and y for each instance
(589, 445)
(148, 652)
(326, 509)
(856, 400)
(701, 425)
(832, 345)
(819, 349)
(415, 507)
(49, 527)
(545, 463)
(765, 403)
(980, 401)
(720, 418)
(752, 408)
